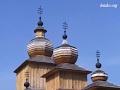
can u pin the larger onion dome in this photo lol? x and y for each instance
(99, 75)
(65, 53)
(40, 45)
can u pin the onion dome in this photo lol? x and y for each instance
(99, 75)
(40, 45)
(65, 53)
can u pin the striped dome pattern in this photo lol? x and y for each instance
(40, 46)
(65, 54)
(99, 75)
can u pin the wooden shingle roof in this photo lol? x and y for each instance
(102, 84)
(67, 67)
(39, 59)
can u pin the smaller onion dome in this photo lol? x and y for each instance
(65, 53)
(99, 75)
(40, 45)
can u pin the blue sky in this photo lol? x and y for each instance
(90, 28)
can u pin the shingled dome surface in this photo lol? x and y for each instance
(40, 46)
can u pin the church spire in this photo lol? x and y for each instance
(40, 30)
(99, 75)
(65, 53)
(40, 46)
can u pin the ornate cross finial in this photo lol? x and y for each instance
(98, 64)
(65, 26)
(40, 11)
(97, 54)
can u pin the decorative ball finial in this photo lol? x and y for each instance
(26, 84)
(40, 12)
(65, 26)
(98, 64)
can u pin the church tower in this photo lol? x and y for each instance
(99, 79)
(40, 61)
(48, 69)
(66, 75)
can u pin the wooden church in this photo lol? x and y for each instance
(51, 68)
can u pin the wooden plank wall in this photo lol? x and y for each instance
(35, 71)
(66, 80)
(52, 82)
(72, 80)
(20, 79)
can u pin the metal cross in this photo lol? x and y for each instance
(40, 11)
(97, 54)
(65, 26)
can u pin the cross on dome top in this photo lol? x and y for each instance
(65, 27)
(98, 64)
(40, 11)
